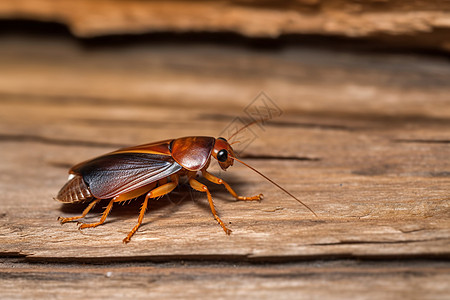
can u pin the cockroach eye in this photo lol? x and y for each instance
(222, 156)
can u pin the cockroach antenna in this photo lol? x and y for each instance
(267, 178)
(245, 126)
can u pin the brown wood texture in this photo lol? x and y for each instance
(362, 138)
(419, 24)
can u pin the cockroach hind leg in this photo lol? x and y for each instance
(82, 225)
(253, 198)
(227, 231)
(222, 224)
(102, 219)
(63, 220)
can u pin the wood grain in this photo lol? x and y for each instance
(418, 24)
(363, 139)
(337, 279)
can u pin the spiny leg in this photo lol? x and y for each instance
(85, 212)
(203, 188)
(104, 215)
(141, 217)
(217, 180)
(157, 192)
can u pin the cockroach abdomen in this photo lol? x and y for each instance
(74, 191)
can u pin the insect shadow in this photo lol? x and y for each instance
(158, 208)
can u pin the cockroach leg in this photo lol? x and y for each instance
(203, 188)
(157, 192)
(141, 217)
(85, 212)
(217, 180)
(103, 218)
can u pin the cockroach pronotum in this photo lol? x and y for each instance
(153, 169)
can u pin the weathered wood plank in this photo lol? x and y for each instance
(371, 182)
(420, 23)
(363, 140)
(336, 280)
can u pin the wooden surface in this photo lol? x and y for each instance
(419, 24)
(363, 139)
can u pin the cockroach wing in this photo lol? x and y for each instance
(118, 173)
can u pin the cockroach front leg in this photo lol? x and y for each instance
(203, 188)
(85, 212)
(217, 180)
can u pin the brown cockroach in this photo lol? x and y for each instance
(154, 169)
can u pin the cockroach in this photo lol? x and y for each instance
(153, 169)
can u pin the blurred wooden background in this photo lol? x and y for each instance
(362, 137)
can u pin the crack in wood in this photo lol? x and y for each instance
(25, 138)
(196, 274)
(377, 242)
(421, 141)
(275, 157)
(272, 123)
(132, 123)
(227, 259)
(9, 255)
(83, 99)
(377, 119)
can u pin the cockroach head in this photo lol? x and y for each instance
(223, 152)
